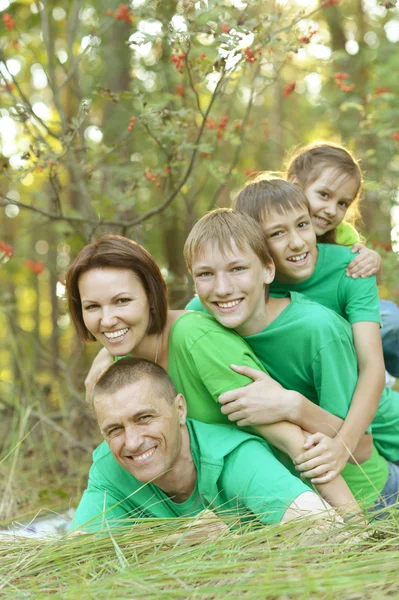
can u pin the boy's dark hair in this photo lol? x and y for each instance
(129, 370)
(265, 194)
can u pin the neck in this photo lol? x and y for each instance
(179, 482)
(266, 315)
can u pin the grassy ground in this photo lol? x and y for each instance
(46, 456)
(203, 562)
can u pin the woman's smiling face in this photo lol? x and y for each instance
(115, 308)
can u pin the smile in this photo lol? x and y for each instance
(298, 258)
(229, 304)
(322, 221)
(114, 335)
(144, 455)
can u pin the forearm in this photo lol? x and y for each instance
(311, 417)
(363, 406)
(285, 436)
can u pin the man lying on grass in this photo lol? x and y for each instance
(157, 463)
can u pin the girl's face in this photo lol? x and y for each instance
(115, 308)
(231, 286)
(330, 196)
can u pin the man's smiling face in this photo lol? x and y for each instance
(292, 244)
(142, 428)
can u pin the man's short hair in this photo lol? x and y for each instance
(129, 370)
(266, 194)
(224, 226)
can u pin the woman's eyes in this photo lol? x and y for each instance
(303, 224)
(276, 234)
(90, 306)
(123, 300)
(343, 204)
(324, 195)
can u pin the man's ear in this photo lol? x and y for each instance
(181, 406)
(269, 273)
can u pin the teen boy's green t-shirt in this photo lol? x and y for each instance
(237, 476)
(353, 299)
(199, 354)
(200, 351)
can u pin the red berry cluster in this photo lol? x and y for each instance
(132, 122)
(249, 55)
(178, 60)
(180, 90)
(305, 39)
(8, 21)
(330, 3)
(121, 14)
(289, 88)
(153, 177)
(225, 28)
(222, 127)
(396, 136)
(6, 249)
(36, 266)
(381, 90)
(340, 78)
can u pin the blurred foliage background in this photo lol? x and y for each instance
(137, 118)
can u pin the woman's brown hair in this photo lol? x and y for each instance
(118, 252)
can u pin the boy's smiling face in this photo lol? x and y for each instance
(231, 286)
(292, 244)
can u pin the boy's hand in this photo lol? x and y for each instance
(259, 403)
(367, 263)
(323, 459)
(99, 364)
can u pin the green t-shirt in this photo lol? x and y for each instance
(199, 354)
(385, 425)
(346, 234)
(316, 345)
(237, 475)
(353, 299)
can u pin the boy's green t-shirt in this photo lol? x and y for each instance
(309, 348)
(237, 476)
(353, 299)
(200, 352)
(346, 234)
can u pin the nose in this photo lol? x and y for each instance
(108, 319)
(133, 439)
(330, 209)
(295, 241)
(223, 286)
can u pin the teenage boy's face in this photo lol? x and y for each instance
(231, 286)
(292, 244)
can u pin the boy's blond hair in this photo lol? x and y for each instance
(266, 194)
(224, 226)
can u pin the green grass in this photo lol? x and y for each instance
(204, 561)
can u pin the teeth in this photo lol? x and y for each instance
(228, 304)
(144, 455)
(110, 335)
(297, 258)
(322, 220)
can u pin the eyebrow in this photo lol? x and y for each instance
(330, 191)
(113, 297)
(137, 415)
(229, 264)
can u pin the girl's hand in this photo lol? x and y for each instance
(323, 459)
(367, 263)
(102, 361)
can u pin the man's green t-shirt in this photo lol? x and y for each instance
(237, 476)
(309, 348)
